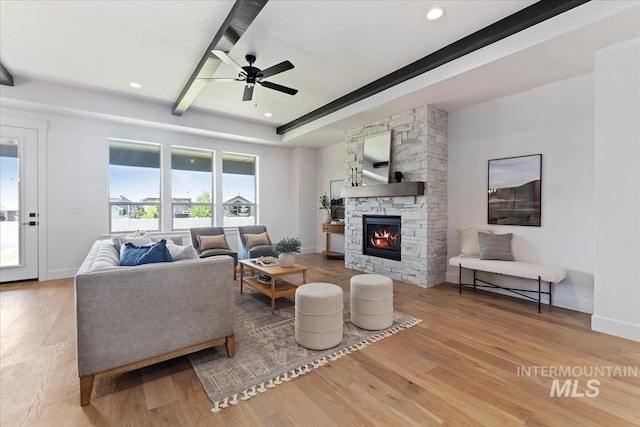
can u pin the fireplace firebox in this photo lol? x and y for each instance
(381, 236)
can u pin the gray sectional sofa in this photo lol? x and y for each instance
(131, 317)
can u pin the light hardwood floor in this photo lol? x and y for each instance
(457, 367)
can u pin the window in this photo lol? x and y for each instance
(139, 178)
(238, 189)
(191, 188)
(11, 248)
(134, 186)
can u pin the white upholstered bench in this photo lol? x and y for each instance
(539, 272)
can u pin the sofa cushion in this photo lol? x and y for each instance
(256, 239)
(495, 246)
(102, 255)
(212, 242)
(137, 255)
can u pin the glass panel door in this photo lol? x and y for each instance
(10, 253)
(18, 204)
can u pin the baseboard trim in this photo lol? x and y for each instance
(578, 304)
(61, 274)
(452, 277)
(618, 328)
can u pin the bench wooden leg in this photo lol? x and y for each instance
(460, 278)
(86, 387)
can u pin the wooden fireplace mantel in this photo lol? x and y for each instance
(415, 188)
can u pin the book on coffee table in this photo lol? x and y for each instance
(267, 261)
(263, 278)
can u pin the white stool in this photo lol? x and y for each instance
(319, 310)
(371, 301)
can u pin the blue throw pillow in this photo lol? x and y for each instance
(137, 255)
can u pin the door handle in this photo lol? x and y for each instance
(31, 223)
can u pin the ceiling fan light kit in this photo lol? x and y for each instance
(252, 75)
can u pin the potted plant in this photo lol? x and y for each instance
(325, 204)
(286, 249)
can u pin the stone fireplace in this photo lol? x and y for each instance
(419, 151)
(382, 236)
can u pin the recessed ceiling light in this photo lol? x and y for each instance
(268, 114)
(435, 13)
(135, 85)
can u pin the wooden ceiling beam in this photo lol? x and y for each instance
(240, 17)
(5, 76)
(523, 19)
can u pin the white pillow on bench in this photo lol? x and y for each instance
(468, 241)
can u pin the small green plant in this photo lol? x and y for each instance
(288, 245)
(325, 203)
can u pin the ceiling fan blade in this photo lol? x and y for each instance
(248, 93)
(220, 79)
(279, 88)
(227, 60)
(279, 68)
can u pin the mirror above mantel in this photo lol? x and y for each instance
(376, 159)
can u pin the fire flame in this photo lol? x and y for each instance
(384, 239)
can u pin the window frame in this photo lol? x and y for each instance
(165, 203)
(135, 205)
(252, 206)
(211, 204)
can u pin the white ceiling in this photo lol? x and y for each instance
(336, 47)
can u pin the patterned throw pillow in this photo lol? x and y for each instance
(256, 239)
(495, 246)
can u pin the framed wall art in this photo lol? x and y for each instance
(514, 191)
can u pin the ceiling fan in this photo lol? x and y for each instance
(252, 75)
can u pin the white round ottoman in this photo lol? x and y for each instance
(371, 301)
(319, 309)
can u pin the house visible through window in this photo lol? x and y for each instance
(239, 189)
(134, 186)
(191, 184)
(137, 176)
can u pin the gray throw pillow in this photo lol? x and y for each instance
(495, 246)
(178, 253)
(137, 238)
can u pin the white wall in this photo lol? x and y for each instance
(303, 193)
(77, 159)
(617, 191)
(331, 167)
(556, 121)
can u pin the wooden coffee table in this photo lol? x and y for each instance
(272, 290)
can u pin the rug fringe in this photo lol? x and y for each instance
(305, 369)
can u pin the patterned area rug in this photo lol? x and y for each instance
(266, 351)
